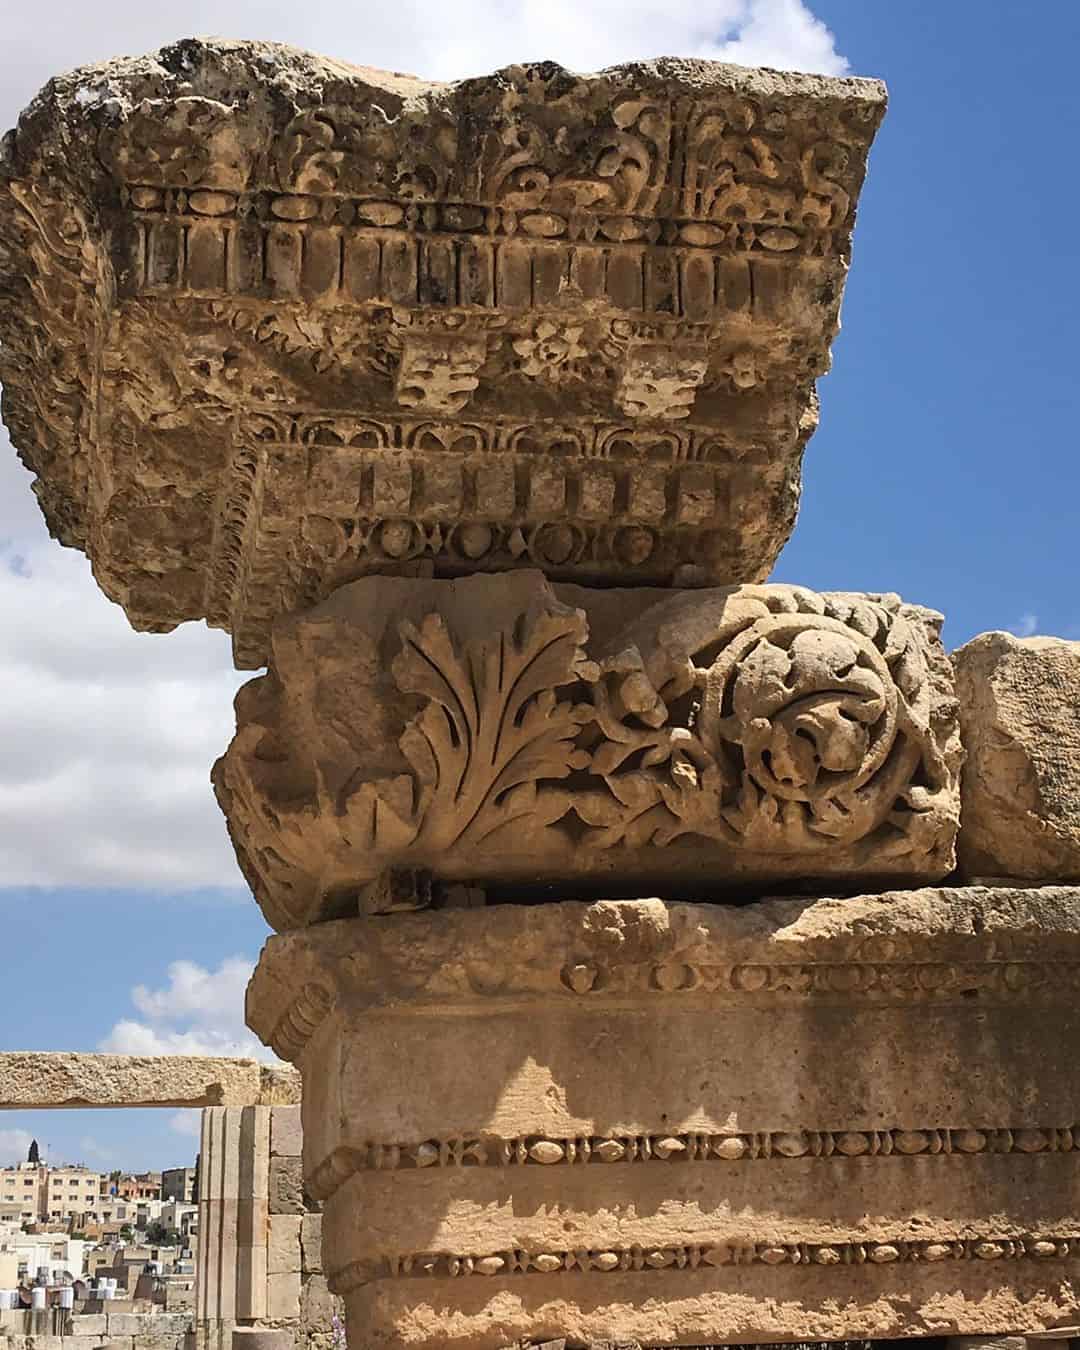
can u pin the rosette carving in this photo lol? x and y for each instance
(810, 707)
(809, 729)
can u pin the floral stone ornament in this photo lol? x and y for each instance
(551, 351)
(707, 739)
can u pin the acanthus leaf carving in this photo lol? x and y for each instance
(187, 143)
(305, 154)
(367, 149)
(488, 743)
(615, 160)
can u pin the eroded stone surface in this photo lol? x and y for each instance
(629, 1120)
(1020, 720)
(271, 322)
(505, 731)
(30, 1080)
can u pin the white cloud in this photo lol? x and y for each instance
(186, 1123)
(108, 735)
(13, 1146)
(1026, 626)
(195, 993)
(91, 1148)
(199, 1012)
(428, 37)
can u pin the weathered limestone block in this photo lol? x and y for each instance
(506, 731)
(286, 1187)
(31, 1080)
(283, 1244)
(259, 1338)
(286, 1131)
(311, 1244)
(1020, 722)
(283, 1297)
(679, 1124)
(271, 322)
(252, 1216)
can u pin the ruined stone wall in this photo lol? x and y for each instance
(260, 1235)
(124, 1329)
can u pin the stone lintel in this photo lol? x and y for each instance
(37, 1080)
(671, 1123)
(272, 322)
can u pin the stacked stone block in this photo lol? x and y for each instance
(260, 1237)
(56, 1329)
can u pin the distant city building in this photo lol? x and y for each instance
(21, 1191)
(57, 1253)
(178, 1183)
(110, 1212)
(180, 1217)
(133, 1186)
(38, 1197)
(69, 1192)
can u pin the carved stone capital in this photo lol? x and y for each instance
(498, 730)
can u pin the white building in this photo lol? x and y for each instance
(55, 1252)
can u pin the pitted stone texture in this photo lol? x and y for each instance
(286, 1133)
(504, 731)
(624, 1119)
(31, 1079)
(273, 322)
(286, 1189)
(1020, 723)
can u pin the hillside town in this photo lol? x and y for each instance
(73, 1238)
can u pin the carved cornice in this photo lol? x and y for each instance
(535, 261)
(660, 141)
(221, 227)
(792, 227)
(56, 285)
(867, 954)
(480, 1150)
(583, 500)
(672, 1259)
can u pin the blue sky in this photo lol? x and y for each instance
(945, 468)
(946, 465)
